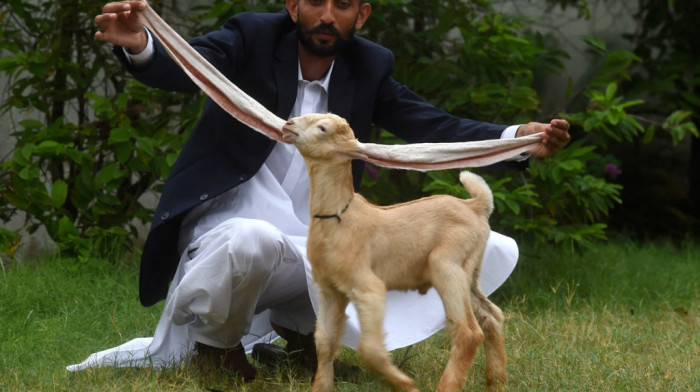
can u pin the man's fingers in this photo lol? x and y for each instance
(555, 141)
(104, 36)
(558, 131)
(555, 135)
(122, 6)
(115, 7)
(103, 20)
(140, 5)
(559, 123)
(122, 9)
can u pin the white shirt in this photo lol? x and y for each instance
(282, 179)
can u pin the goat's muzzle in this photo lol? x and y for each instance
(288, 133)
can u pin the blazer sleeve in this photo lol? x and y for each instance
(407, 115)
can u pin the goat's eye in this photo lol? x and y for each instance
(322, 128)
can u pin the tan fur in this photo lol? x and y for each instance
(358, 251)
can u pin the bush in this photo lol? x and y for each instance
(91, 142)
(477, 63)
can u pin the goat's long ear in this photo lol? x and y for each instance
(211, 81)
(355, 154)
(438, 156)
(426, 156)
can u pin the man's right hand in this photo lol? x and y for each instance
(121, 25)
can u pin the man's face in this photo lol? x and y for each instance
(325, 26)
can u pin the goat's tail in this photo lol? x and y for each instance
(479, 190)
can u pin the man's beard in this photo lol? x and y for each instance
(324, 49)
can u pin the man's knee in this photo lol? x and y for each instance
(256, 245)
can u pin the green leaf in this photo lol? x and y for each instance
(29, 172)
(147, 144)
(513, 206)
(120, 135)
(98, 100)
(66, 227)
(59, 193)
(170, 158)
(634, 102)
(649, 135)
(107, 174)
(26, 152)
(614, 116)
(9, 63)
(122, 100)
(124, 151)
(49, 147)
(571, 165)
(32, 124)
(78, 157)
(610, 91)
(596, 43)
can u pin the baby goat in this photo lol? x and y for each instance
(358, 251)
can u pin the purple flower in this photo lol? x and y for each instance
(372, 170)
(612, 170)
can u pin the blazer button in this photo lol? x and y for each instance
(165, 216)
(204, 197)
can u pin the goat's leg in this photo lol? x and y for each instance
(452, 283)
(329, 330)
(490, 319)
(369, 298)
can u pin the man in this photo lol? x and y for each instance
(230, 228)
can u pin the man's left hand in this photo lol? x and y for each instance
(554, 136)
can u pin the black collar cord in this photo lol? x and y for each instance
(336, 216)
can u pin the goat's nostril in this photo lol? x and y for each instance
(290, 122)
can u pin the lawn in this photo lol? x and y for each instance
(620, 317)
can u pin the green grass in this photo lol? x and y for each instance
(621, 317)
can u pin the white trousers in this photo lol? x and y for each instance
(244, 273)
(240, 268)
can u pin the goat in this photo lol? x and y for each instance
(358, 251)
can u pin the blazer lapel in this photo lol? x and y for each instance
(286, 74)
(341, 88)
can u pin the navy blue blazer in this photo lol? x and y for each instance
(259, 53)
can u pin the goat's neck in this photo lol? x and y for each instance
(331, 186)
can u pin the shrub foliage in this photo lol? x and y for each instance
(91, 143)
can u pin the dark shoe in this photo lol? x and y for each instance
(230, 359)
(300, 349)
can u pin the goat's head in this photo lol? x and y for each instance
(321, 136)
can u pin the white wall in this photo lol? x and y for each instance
(608, 20)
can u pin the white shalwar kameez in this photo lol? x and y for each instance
(244, 264)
